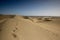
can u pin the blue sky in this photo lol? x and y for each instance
(30, 8)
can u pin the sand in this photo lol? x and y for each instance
(18, 28)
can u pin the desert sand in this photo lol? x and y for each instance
(19, 28)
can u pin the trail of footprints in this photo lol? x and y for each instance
(13, 34)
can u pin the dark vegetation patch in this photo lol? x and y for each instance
(6, 16)
(47, 19)
(39, 18)
(25, 17)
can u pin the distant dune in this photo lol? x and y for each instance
(14, 27)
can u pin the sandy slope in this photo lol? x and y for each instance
(24, 29)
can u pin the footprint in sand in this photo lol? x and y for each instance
(14, 35)
(15, 29)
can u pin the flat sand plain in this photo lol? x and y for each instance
(19, 28)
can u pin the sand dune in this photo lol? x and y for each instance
(20, 28)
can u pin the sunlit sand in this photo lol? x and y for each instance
(29, 28)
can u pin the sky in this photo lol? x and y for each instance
(30, 7)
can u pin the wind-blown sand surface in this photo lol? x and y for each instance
(18, 28)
